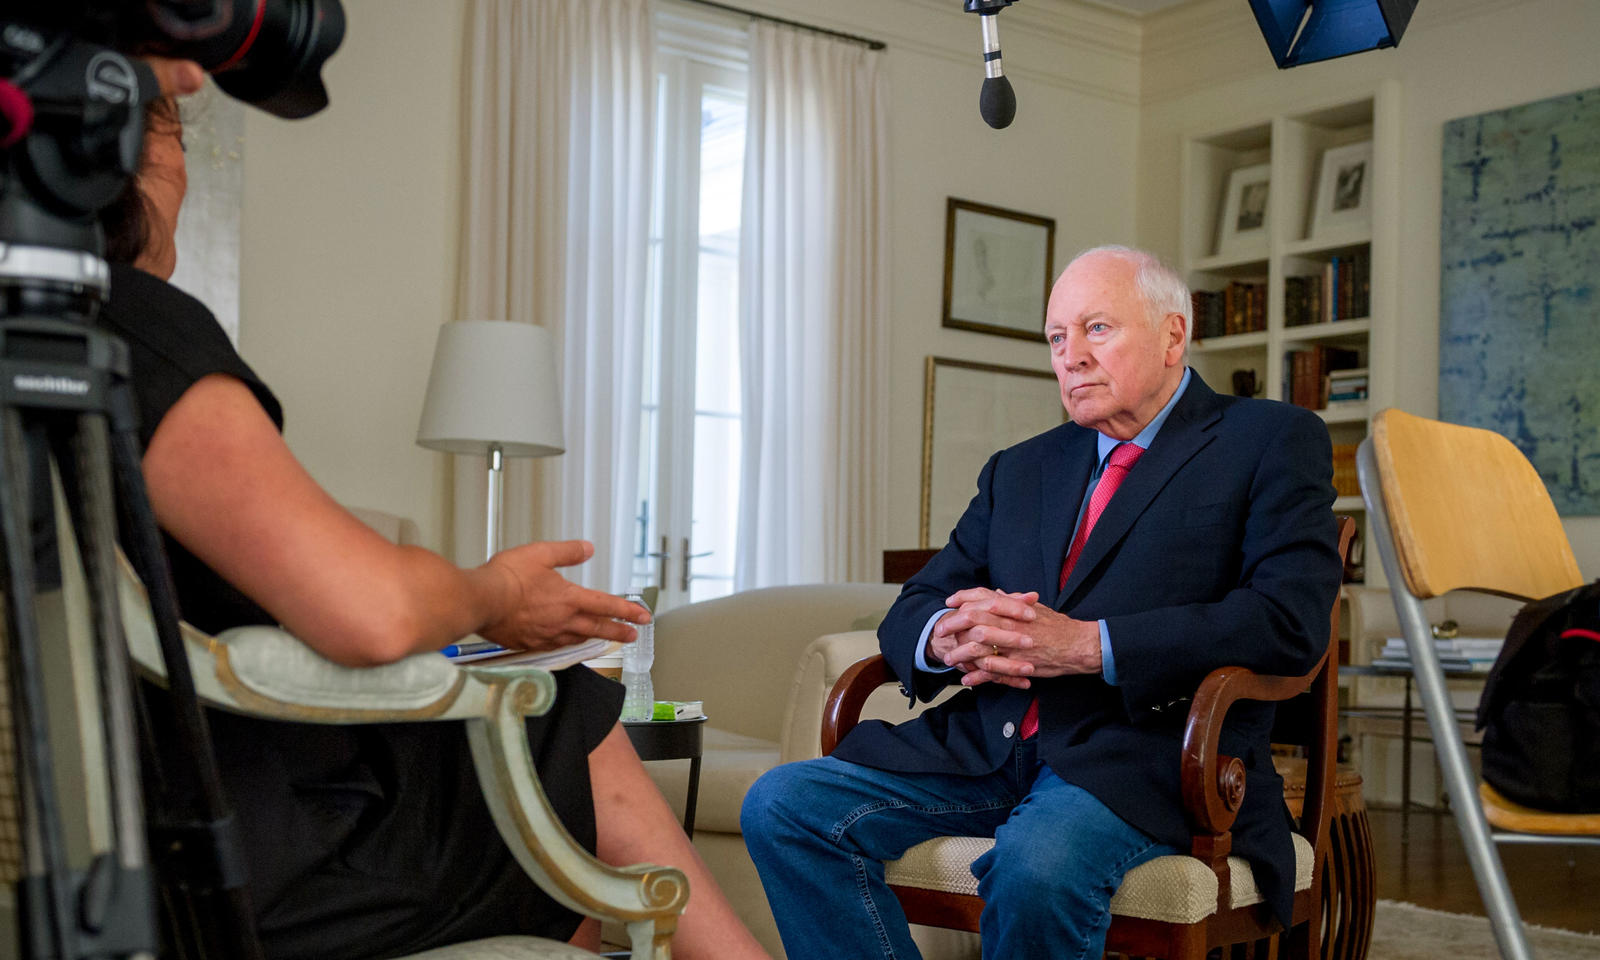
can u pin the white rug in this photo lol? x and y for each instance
(1404, 931)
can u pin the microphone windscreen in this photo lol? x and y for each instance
(997, 102)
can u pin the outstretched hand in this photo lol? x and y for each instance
(1006, 638)
(546, 610)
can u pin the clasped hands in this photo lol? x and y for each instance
(1006, 638)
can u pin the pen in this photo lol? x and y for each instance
(470, 647)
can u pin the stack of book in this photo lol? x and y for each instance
(1342, 290)
(1306, 374)
(1344, 386)
(1456, 654)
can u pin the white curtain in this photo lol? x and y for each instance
(560, 115)
(813, 308)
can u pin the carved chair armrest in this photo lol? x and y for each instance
(849, 694)
(644, 897)
(1213, 784)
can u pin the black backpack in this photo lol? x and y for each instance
(1540, 708)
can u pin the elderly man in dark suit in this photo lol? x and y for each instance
(1102, 570)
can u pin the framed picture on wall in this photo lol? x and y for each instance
(1242, 229)
(997, 267)
(1344, 191)
(970, 410)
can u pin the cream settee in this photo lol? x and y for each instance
(763, 662)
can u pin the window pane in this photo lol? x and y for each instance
(716, 422)
(716, 503)
(647, 534)
(722, 126)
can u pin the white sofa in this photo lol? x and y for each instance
(763, 662)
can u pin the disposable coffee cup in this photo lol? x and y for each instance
(609, 665)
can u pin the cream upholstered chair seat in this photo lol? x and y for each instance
(1175, 889)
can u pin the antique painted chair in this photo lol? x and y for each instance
(1177, 906)
(265, 672)
(1459, 508)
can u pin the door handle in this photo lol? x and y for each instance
(688, 557)
(661, 556)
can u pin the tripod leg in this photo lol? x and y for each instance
(44, 896)
(223, 900)
(84, 459)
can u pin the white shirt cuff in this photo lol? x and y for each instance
(921, 661)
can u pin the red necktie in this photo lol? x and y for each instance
(1122, 459)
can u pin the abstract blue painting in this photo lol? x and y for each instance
(1520, 267)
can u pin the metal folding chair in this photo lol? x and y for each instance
(1459, 508)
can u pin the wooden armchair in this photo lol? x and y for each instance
(1177, 906)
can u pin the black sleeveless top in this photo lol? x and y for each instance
(173, 341)
(362, 841)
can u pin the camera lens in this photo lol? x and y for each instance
(268, 53)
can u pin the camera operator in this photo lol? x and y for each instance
(369, 841)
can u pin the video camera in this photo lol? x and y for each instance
(72, 95)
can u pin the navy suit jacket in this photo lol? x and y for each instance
(1219, 548)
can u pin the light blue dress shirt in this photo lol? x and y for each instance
(1147, 436)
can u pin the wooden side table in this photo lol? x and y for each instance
(1350, 878)
(672, 740)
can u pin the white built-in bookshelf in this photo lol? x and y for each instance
(1292, 144)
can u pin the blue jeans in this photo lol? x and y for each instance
(819, 832)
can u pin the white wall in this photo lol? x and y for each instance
(1206, 67)
(350, 218)
(348, 253)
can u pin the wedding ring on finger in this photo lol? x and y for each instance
(995, 648)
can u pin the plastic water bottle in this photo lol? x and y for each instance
(637, 658)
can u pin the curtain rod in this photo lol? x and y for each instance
(868, 42)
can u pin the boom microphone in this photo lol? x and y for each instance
(997, 103)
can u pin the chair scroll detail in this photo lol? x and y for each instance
(1178, 906)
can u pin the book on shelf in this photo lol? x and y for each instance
(1473, 648)
(1244, 307)
(1346, 288)
(1209, 318)
(1345, 481)
(1456, 654)
(1302, 300)
(1309, 369)
(1447, 664)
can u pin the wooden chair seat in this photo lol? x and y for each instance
(1511, 815)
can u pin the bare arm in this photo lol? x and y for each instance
(225, 485)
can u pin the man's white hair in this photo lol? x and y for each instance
(1160, 287)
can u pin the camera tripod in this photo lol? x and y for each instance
(65, 400)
